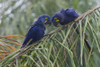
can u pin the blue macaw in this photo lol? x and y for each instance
(64, 16)
(37, 30)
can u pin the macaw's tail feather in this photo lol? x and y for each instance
(23, 46)
(86, 41)
(26, 44)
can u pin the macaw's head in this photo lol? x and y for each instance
(45, 19)
(57, 18)
(71, 12)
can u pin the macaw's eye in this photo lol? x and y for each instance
(46, 18)
(55, 18)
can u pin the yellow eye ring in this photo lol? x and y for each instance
(55, 18)
(46, 18)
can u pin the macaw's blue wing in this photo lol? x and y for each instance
(71, 13)
(34, 34)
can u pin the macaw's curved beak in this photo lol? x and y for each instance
(55, 24)
(48, 22)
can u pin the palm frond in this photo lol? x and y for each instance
(62, 47)
(7, 47)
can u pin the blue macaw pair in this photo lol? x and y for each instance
(37, 31)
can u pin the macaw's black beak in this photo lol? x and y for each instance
(48, 22)
(55, 24)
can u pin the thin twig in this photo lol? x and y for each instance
(86, 13)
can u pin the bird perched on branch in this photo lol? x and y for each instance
(64, 16)
(37, 30)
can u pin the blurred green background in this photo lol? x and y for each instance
(16, 17)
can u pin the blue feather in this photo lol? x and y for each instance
(37, 31)
(64, 16)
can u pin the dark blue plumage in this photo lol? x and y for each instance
(37, 30)
(64, 16)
